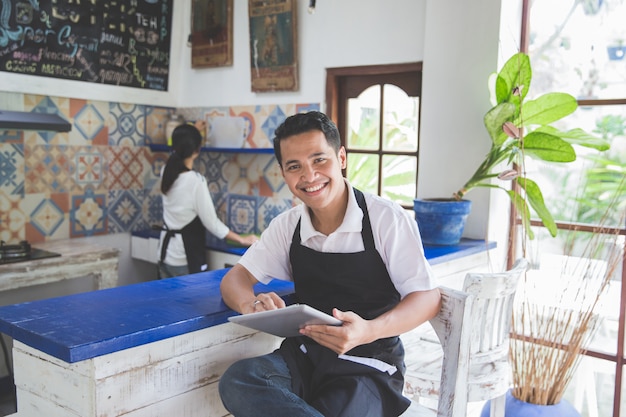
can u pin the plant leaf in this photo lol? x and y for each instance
(577, 136)
(580, 137)
(495, 119)
(547, 108)
(548, 147)
(535, 198)
(522, 210)
(516, 72)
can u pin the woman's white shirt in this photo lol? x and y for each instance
(188, 197)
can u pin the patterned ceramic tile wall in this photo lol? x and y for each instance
(12, 220)
(102, 177)
(44, 104)
(247, 189)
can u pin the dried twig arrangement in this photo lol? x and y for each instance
(557, 314)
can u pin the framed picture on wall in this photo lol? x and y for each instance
(211, 33)
(273, 45)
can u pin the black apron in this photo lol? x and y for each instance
(357, 282)
(194, 241)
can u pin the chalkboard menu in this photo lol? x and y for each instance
(118, 42)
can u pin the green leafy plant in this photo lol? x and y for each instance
(520, 128)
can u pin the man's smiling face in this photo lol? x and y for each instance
(312, 169)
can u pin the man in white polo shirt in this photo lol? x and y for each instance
(356, 256)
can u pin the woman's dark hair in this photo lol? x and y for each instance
(306, 122)
(186, 140)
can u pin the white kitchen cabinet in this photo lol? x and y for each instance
(219, 260)
(144, 248)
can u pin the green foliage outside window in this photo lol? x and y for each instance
(398, 176)
(605, 180)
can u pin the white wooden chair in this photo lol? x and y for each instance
(490, 324)
(451, 325)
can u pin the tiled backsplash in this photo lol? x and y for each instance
(102, 177)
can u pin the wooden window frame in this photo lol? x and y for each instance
(618, 358)
(346, 82)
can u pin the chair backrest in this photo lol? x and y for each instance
(492, 309)
(452, 325)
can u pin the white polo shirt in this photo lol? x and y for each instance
(396, 238)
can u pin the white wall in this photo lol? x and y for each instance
(460, 51)
(464, 43)
(340, 33)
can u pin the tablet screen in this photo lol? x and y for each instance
(285, 322)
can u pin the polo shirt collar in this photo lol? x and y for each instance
(352, 221)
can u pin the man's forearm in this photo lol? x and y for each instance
(415, 309)
(237, 290)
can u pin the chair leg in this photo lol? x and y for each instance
(497, 406)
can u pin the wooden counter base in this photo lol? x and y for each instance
(171, 377)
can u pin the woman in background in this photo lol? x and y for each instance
(188, 209)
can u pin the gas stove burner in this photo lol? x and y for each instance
(21, 250)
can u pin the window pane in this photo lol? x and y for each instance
(592, 387)
(399, 178)
(363, 171)
(364, 120)
(400, 120)
(568, 271)
(566, 276)
(587, 190)
(579, 47)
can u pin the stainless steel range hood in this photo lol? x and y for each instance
(21, 120)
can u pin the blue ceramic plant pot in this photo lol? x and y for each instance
(616, 53)
(517, 408)
(441, 221)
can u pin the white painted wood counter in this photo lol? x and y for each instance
(152, 349)
(78, 259)
(177, 376)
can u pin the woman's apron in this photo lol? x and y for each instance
(357, 282)
(194, 241)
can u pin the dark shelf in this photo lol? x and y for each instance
(166, 148)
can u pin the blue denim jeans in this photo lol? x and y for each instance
(261, 386)
(169, 271)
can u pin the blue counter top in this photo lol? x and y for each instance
(434, 254)
(82, 326)
(440, 254)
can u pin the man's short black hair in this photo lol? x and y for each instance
(306, 122)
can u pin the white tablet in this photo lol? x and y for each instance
(285, 322)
